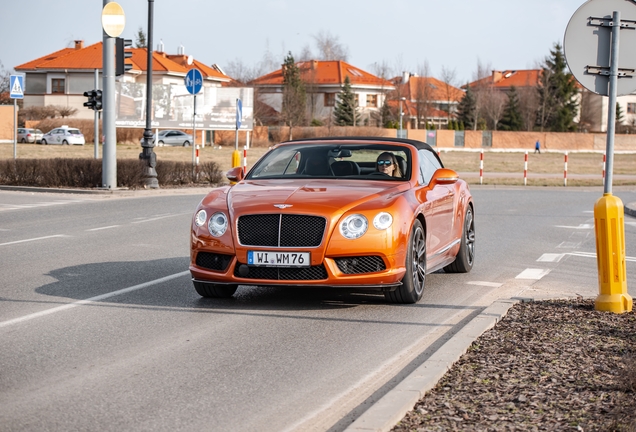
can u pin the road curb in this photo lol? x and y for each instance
(630, 209)
(393, 406)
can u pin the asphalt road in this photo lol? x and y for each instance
(101, 329)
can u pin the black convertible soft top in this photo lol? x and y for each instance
(417, 144)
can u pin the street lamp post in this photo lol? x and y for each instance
(147, 154)
(401, 114)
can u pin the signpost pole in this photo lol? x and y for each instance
(15, 125)
(608, 210)
(236, 157)
(194, 128)
(592, 47)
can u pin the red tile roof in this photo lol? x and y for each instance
(437, 90)
(325, 73)
(90, 57)
(509, 78)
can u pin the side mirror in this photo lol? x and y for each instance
(444, 176)
(235, 175)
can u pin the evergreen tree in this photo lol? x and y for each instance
(385, 115)
(466, 109)
(345, 112)
(620, 117)
(557, 93)
(512, 119)
(294, 96)
(140, 41)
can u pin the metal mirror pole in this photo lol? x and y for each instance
(148, 155)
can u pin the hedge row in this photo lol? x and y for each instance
(87, 173)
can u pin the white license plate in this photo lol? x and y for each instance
(278, 259)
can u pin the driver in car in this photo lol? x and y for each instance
(387, 164)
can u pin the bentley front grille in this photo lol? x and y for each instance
(281, 230)
(282, 273)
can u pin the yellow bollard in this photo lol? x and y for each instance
(609, 223)
(236, 159)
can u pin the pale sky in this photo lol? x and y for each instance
(454, 35)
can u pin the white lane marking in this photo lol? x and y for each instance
(588, 211)
(35, 205)
(92, 299)
(593, 255)
(630, 223)
(550, 257)
(159, 217)
(33, 239)
(568, 245)
(534, 274)
(487, 284)
(103, 228)
(581, 226)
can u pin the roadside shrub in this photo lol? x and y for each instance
(87, 173)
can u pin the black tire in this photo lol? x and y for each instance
(209, 290)
(44, 142)
(65, 142)
(414, 280)
(23, 141)
(466, 256)
(160, 143)
(186, 144)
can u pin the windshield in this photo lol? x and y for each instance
(335, 160)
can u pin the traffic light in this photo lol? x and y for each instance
(94, 99)
(121, 55)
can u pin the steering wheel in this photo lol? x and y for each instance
(378, 173)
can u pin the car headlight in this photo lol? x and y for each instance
(200, 218)
(354, 226)
(217, 224)
(382, 220)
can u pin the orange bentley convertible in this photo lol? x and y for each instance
(356, 213)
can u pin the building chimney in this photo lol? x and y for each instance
(181, 50)
(405, 77)
(160, 47)
(496, 76)
(79, 44)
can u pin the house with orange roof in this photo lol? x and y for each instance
(62, 77)
(324, 80)
(426, 101)
(593, 108)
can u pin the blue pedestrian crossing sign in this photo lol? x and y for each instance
(194, 81)
(17, 87)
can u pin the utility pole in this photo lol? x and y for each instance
(109, 151)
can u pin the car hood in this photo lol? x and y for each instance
(311, 196)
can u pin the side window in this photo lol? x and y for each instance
(428, 165)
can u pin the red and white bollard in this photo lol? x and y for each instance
(481, 167)
(196, 157)
(244, 159)
(565, 170)
(604, 161)
(525, 170)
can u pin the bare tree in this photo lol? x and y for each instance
(422, 94)
(5, 83)
(494, 105)
(65, 111)
(329, 47)
(481, 83)
(449, 77)
(528, 105)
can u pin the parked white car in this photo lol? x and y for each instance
(28, 135)
(64, 135)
